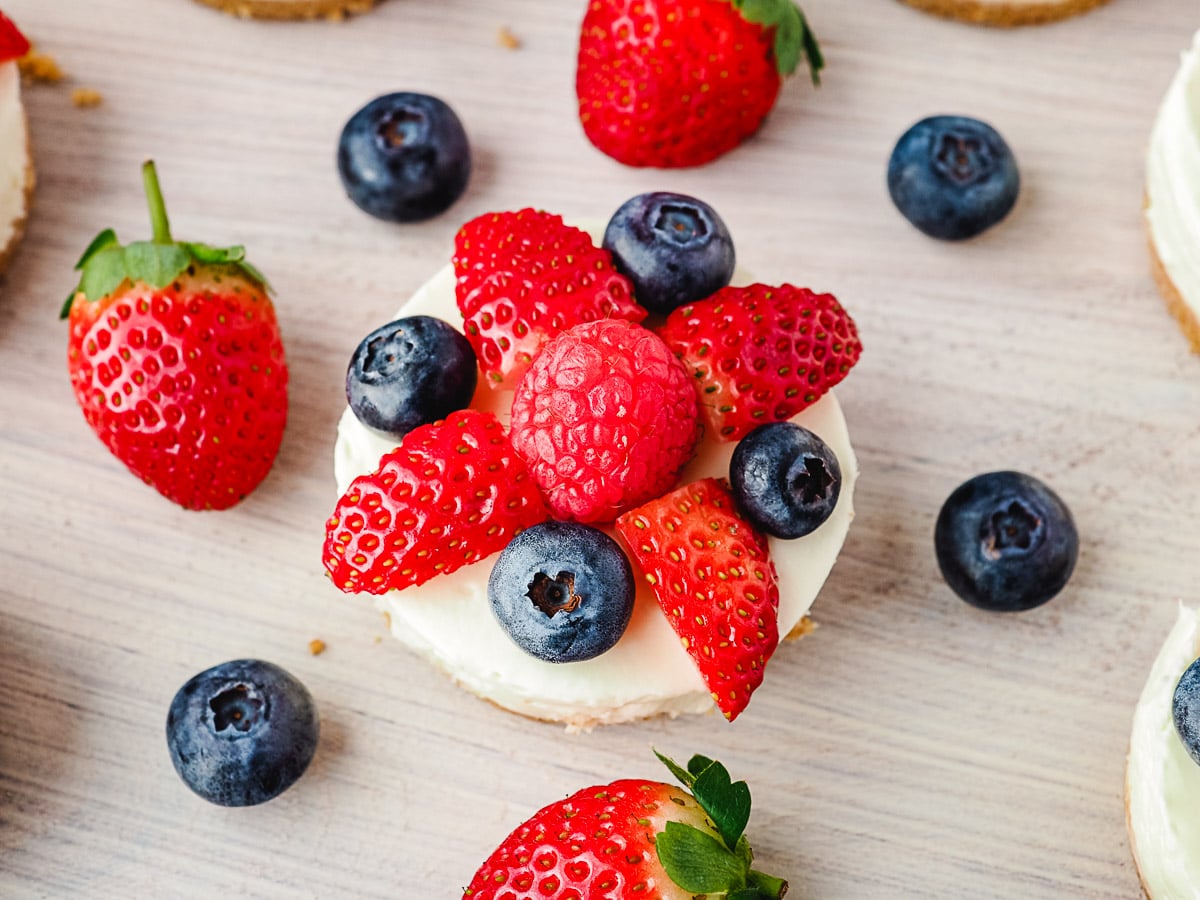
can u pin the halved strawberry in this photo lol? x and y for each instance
(452, 493)
(761, 354)
(713, 577)
(13, 44)
(522, 277)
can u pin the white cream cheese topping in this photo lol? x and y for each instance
(1162, 780)
(648, 673)
(1173, 179)
(14, 159)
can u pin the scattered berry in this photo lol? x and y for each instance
(563, 591)
(1185, 709)
(176, 360)
(452, 493)
(410, 372)
(13, 44)
(242, 733)
(605, 419)
(785, 480)
(1005, 542)
(680, 82)
(634, 838)
(674, 248)
(953, 177)
(522, 277)
(761, 354)
(404, 157)
(712, 576)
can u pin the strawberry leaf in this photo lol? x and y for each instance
(206, 253)
(794, 40)
(698, 764)
(697, 861)
(686, 778)
(105, 239)
(155, 264)
(104, 273)
(727, 803)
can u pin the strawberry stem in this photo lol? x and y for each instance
(768, 885)
(158, 207)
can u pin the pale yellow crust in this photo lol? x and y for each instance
(18, 224)
(1005, 15)
(1132, 838)
(1175, 303)
(291, 9)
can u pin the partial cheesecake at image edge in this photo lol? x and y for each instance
(16, 164)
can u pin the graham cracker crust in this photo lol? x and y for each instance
(291, 10)
(1005, 15)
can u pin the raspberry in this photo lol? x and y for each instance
(452, 493)
(605, 418)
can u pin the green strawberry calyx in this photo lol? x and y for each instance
(793, 38)
(697, 861)
(106, 264)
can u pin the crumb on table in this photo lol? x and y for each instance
(507, 39)
(37, 66)
(316, 646)
(86, 98)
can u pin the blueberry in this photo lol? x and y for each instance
(953, 177)
(410, 372)
(673, 248)
(1185, 709)
(563, 591)
(404, 157)
(785, 480)
(242, 732)
(1005, 542)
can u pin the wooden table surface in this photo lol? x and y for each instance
(911, 747)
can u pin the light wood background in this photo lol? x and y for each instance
(912, 747)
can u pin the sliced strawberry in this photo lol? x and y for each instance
(711, 574)
(452, 493)
(522, 277)
(762, 354)
(13, 44)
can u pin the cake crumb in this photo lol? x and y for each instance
(378, 639)
(805, 626)
(316, 646)
(37, 66)
(86, 98)
(506, 39)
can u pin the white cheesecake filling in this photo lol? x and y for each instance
(14, 159)
(648, 673)
(1173, 179)
(1163, 782)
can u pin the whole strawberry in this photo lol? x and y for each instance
(450, 494)
(176, 360)
(605, 419)
(761, 354)
(711, 573)
(522, 277)
(634, 838)
(671, 83)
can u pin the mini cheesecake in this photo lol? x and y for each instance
(448, 619)
(1173, 195)
(1006, 12)
(291, 9)
(16, 164)
(1162, 782)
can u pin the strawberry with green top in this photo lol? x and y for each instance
(634, 838)
(672, 83)
(176, 360)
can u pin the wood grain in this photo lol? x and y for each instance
(910, 747)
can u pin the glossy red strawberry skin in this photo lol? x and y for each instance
(450, 494)
(605, 418)
(13, 44)
(761, 354)
(672, 83)
(597, 844)
(711, 573)
(521, 278)
(185, 384)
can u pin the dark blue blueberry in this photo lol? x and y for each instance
(673, 248)
(410, 372)
(242, 732)
(953, 177)
(563, 591)
(404, 157)
(1005, 542)
(1185, 709)
(785, 480)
